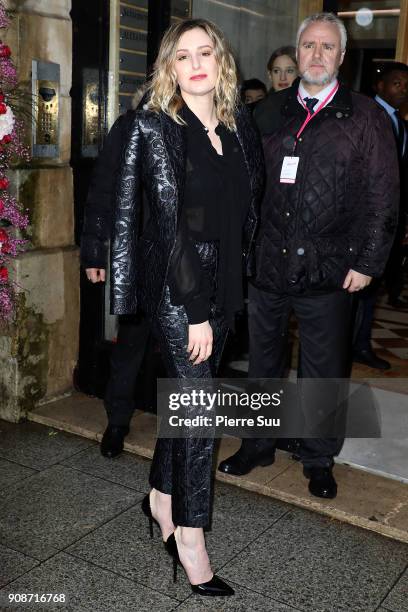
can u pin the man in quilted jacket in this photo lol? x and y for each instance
(327, 224)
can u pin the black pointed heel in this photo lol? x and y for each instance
(171, 547)
(147, 511)
(175, 565)
(216, 587)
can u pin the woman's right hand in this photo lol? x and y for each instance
(200, 342)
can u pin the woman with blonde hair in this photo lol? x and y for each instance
(196, 154)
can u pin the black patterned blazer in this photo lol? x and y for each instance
(153, 162)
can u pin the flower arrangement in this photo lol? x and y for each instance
(12, 217)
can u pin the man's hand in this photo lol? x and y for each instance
(96, 275)
(355, 281)
(200, 342)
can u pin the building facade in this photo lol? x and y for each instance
(93, 56)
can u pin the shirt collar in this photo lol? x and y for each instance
(390, 109)
(193, 122)
(321, 96)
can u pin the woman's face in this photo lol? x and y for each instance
(283, 73)
(195, 65)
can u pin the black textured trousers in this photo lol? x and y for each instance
(182, 467)
(325, 338)
(126, 358)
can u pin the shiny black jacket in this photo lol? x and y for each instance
(342, 211)
(154, 161)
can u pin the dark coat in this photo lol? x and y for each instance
(155, 159)
(98, 217)
(342, 211)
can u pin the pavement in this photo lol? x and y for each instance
(71, 526)
(364, 499)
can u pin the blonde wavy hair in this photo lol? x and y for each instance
(164, 90)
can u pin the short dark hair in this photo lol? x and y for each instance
(253, 84)
(384, 69)
(286, 50)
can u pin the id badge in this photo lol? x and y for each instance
(289, 169)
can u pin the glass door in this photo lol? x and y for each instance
(373, 29)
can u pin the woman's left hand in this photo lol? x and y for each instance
(200, 342)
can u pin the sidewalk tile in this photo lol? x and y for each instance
(127, 470)
(124, 543)
(239, 516)
(12, 472)
(13, 564)
(36, 446)
(397, 600)
(50, 510)
(87, 589)
(243, 601)
(319, 564)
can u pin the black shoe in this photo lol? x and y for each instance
(398, 303)
(216, 587)
(243, 461)
(370, 359)
(322, 483)
(112, 440)
(147, 511)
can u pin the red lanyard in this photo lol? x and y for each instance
(309, 114)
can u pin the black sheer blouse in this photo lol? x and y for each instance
(215, 207)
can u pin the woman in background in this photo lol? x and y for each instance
(282, 71)
(282, 68)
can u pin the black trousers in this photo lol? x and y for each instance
(394, 271)
(182, 467)
(364, 315)
(324, 328)
(126, 358)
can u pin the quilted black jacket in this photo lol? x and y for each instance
(155, 159)
(342, 211)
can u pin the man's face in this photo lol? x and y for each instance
(253, 95)
(394, 88)
(319, 53)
